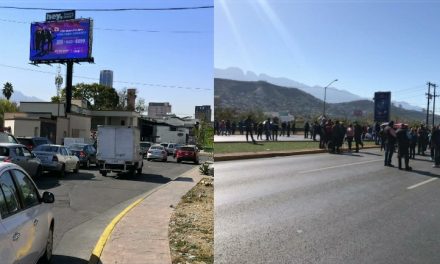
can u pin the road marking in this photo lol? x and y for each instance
(421, 183)
(342, 165)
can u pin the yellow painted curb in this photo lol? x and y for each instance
(99, 247)
(95, 258)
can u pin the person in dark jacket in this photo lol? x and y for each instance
(337, 137)
(412, 143)
(358, 135)
(403, 146)
(306, 129)
(267, 129)
(423, 138)
(390, 142)
(435, 144)
(248, 124)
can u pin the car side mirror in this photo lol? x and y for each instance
(48, 197)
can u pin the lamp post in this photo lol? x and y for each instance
(58, 83)
(325, 94)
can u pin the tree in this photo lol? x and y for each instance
(204, 135)
(99, 96)
(8, 90)
(122, 104)
(140, 105)
(6, 107)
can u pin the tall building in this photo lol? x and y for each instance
(158, 110)
(203, 113)
(106, 78)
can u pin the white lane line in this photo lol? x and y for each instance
(342, 165)
(421, 183)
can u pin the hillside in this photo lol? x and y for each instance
(267, 97)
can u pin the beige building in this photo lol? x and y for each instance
(48, 119)
(159, 110)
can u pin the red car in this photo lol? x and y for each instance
(188, 153)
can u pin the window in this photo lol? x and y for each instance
(64, 152)
(10, 195)
(4, 151)
(27, 189)
(26, 152)
(18, 151)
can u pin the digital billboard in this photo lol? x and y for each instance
(382, 104)
(61, 40)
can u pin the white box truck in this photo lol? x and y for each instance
(118, 150)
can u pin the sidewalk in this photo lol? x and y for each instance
(141, 236)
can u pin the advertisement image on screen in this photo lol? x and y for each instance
(61, 40)
(382, 103)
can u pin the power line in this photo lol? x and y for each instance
(110, 9)
(124, 82)
(126, 30)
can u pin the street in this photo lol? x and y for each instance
(86, 202)
(327, 208)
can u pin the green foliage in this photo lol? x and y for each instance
(204, 169)
(204, 134)
(99, 96)
(6, 107)
(8, 90)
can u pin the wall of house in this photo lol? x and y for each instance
(62, 129)
(24, 128)
(79, 126)
(40, 107)
(168, 136)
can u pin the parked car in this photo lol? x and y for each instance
(86, 154)
(32, 142)
(144, 148)
(157, 152)
(170, 148)
(57, 158)
(175, 150)
(188, 153)
(20, 155)
(26, 218)
(5, 137)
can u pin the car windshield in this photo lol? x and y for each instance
(145, 145)
(6, 138)
(25, 141)
(156, 148)
(41, 141)
(47, 148)
(187, 148)
(76, 147)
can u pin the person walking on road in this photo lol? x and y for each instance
(403, 143)
(248, 125)
(435, 145)
(412, 143)
(422, 136)
(390, 142)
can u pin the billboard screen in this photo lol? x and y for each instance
(382, 104)
(61, 40)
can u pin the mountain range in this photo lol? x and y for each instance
(333, 95)
(267, 97)
(18, 97)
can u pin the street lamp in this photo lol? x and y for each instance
(325, 94)
(58, 83)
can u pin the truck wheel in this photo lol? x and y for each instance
(178, 161)
(62, 172)
(103, 173)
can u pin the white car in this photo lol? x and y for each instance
(57, 158)
(26, 218)
(157, 152)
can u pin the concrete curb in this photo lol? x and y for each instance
(100, 245)
(258, 155)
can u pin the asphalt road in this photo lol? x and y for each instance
(86, 202)
(327, 208)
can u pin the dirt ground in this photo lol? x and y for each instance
(191, 229)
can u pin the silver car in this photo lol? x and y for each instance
(20, 155)
(157, 152)
(26, 218)
(57, 158)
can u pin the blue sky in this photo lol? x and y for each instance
(368, 45)
(163, 59)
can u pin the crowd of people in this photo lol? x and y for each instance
(270, 128)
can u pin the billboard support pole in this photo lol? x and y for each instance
(427, 108)
(69, 74)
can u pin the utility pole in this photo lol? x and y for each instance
(433, 106)
(429, 95)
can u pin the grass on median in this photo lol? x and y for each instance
(270, 146)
